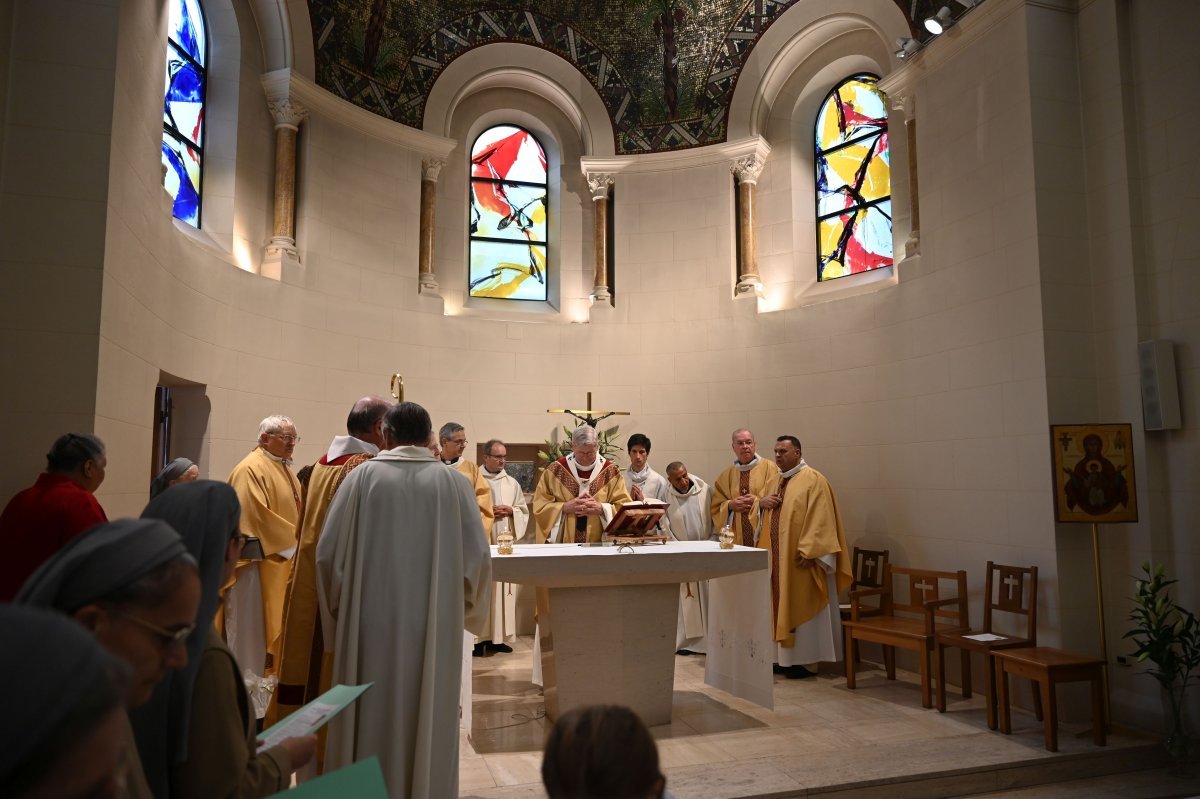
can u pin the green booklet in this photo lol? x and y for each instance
(361, 780)
(312, 716)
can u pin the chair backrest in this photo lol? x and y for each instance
(912, 588)
(1012, 589)
(868, 567)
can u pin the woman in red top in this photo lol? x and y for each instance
(38, 521)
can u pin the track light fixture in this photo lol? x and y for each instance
(906, 48)
(940, 21)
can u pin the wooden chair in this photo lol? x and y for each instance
(1048, 668)
(1008, 589)
(912, 610)
(867, 566)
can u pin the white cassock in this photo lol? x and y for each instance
(691, 521)
(402, 568)
(502, 620)
(653, 486)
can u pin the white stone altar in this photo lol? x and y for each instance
(607, 621)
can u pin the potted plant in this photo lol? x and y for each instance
(1168, 636)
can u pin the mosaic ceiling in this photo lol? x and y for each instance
(665, 69)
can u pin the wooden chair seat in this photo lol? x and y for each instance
(910, 615)
(1048, 667)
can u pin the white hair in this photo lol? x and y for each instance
(273, 424)
(584, 435)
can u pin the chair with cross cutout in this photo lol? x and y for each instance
(867, 568)
(1008, 590)
(914, 606)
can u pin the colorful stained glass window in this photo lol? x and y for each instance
(508, 215)
(183, 107)
(854, 185)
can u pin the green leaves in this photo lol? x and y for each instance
(1165, 634)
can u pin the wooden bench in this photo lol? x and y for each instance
(914, 605)
(1048, 667)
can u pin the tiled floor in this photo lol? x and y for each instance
(820, 740)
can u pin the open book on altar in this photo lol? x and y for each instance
(637, 518)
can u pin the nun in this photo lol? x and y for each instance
(64, 712)
(132, 584)
(196, 735)
(180, 470)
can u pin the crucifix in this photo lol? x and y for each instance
(589, 416)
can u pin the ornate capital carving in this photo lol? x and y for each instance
(598, 183)
(903, 101)
(748, 168)
(287, 112)
(431, 168)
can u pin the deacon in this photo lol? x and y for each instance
(690, 499)
(512, 515)
(642, 481)
(453, 440)
(270, 499)
(402, 569)
(737, 490)
(578, 494)
(301, 647)
(802, 529)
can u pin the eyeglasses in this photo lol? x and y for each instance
(169, 638)
(459, 441)
(286, 438)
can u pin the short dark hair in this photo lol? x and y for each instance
(365, 415)
(449, 429)
(491, 442)
(600, 752)
(70, 452)
(674, 466)
(638, 439)
(795, 441)
(409, 424)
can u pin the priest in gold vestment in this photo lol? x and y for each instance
(578, 494)
(801, 528)
(737, 491)
(303, 667)
(452, 439)
(270, 497)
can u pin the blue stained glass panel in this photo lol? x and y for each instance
(185, 27)
(508, 271)
(183, 96)
(182, 180)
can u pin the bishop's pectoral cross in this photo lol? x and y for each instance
(588, 416)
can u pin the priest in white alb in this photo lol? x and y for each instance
(403, 567)
(578, 494)
(690, 499)
(737, 491)
(801, 528)
(511, 516)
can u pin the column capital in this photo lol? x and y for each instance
(747, 168)
(288, 113)
(598, 184)
(904, 101)
(431, 167)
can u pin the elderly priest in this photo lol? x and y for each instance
(738, 489)
(578, 493)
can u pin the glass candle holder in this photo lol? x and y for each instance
(504, 543)
(726, 537)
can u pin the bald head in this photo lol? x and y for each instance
(743, 445)
(365, 421)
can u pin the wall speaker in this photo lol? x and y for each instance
(1160, 386)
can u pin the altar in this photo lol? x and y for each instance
(607, 621)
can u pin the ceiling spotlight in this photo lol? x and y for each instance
(907, 48)
(939, 21)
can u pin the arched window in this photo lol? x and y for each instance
(854, 186)
(183, 107)
(507, 216)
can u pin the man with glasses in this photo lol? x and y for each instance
(453, 440)
(512, 516)
(270, 497)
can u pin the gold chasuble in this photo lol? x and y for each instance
(304, 664)
(270, 497)
(483, 494)
(735, 481)
(558, 485)
(807, 523)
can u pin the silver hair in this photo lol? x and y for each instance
(448, 430)
(273, 424)
(584, 435)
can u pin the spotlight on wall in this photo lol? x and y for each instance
(939, 21)
(907, 48)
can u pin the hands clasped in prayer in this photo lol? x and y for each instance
(583, 505)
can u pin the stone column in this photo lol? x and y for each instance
(747, 169)
(599, 182)
(906, 103)
(288, 115)
(430, 169)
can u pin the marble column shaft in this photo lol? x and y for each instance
(430, 168)
(599, 183)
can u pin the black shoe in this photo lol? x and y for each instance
(798, 673)
(500, 648)
(479, 651)
(776, 668)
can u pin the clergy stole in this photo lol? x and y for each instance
(483, 495)
(735, 482)
(558, 485)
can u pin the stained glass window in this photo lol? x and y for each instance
(183, 107)
(854, 191)
(508, 215)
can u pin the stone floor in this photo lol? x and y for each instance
(820, 740)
